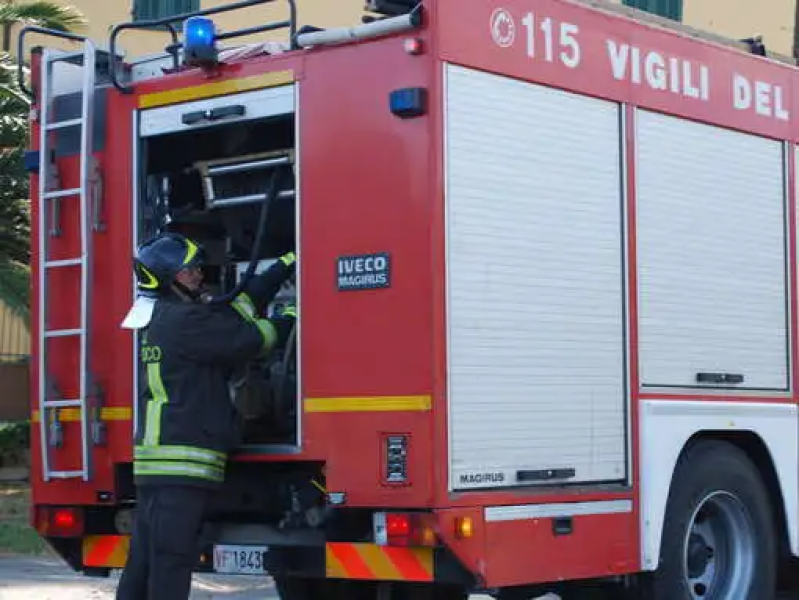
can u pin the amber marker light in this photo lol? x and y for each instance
(464, 527)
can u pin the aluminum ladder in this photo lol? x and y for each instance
(50, 197)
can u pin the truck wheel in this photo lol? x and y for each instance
(719, 540)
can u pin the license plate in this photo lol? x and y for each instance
(240, 560)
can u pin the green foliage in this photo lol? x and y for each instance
(14, 441)
(16, 535)
(14, 204)
(52, 15)
(14, 134)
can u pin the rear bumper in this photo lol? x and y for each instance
(334, 560)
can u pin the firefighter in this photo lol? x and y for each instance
(189, 350)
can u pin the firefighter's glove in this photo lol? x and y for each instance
(289, 259)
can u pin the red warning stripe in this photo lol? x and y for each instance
(411, 566)
(370, 561)
(106, 551)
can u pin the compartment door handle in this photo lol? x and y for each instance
(214, 114)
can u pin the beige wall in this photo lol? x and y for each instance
(14, 336)
(773, 19)
(738, 19)
(104, 14)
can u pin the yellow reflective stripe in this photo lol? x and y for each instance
(267, 331)
(109, 413)
(216, 88)
(191, 252)
(369, 404)
(152, 280)
(245, 306)
(180, 453)
(288, 259)
(155, 405)
(178, 469)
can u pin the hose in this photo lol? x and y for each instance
(269, 198)
(291, 348)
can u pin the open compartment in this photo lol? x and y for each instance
(229, 183)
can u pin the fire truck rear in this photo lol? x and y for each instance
(547, 329)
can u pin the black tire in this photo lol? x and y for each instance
(735, 530)
(428, 591)
(327, 589)
(323, 589)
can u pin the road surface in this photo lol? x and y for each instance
(49, 579)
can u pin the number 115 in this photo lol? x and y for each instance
(569, 47)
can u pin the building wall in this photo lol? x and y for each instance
(14, 373)
(104, 14)
(14, 336)
(737, 19)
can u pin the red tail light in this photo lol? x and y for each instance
(404, 529)
(59, 521)
(398, 525)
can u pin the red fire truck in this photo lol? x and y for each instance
(547, 294)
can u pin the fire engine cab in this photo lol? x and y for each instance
(547, 334)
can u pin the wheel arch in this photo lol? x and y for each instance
(772, 449)
(757, 451)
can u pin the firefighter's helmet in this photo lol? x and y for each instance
(160, 259)
(156, 264)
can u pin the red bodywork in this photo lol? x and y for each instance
(371, 182)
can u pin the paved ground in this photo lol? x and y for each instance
(46, 579)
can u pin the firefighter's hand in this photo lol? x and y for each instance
(289, 259)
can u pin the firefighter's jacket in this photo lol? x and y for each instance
(187, 422)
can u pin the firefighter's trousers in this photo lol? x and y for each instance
(165, 545)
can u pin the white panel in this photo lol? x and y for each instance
(535, 283)
(524, 512)
(258, 105)
(711, 254)
(666, 426)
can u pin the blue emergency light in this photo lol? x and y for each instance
(199, 42)
(407, 103)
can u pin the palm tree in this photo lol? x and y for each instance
(14, 204)
(14, 133)
(53, 15)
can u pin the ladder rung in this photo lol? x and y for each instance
(62, 403)
(63, 124)
(65, 474)
(61, 193)
(67, 262)
(62, 332)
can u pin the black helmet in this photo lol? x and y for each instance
(160, 259)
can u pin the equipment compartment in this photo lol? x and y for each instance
(232, 187)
